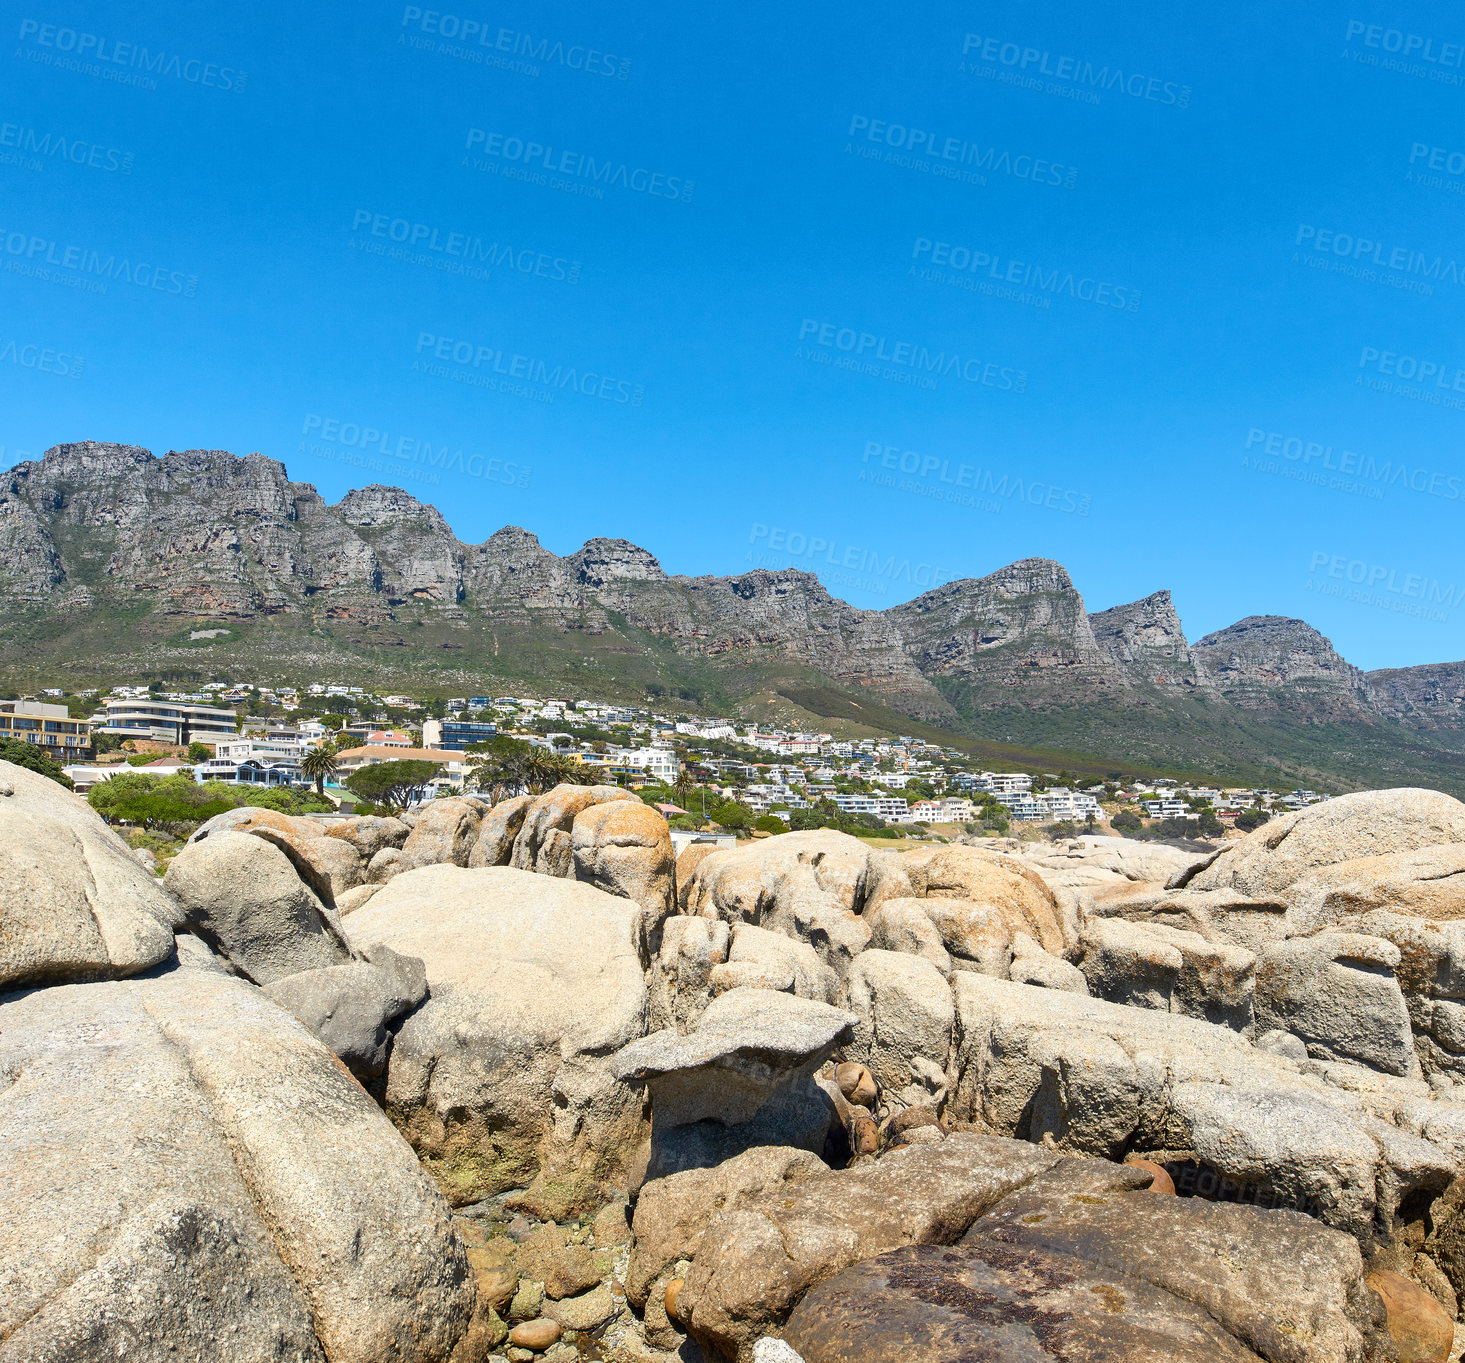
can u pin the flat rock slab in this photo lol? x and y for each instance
(755, 1261)
(992, 1303)
(1289, 1288)
(1104, 1079)
(745, 1044)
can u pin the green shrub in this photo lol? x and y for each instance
(33, 758)
(141, 798)
(395, 784)
(732, 814)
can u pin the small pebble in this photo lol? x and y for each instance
(856, 1083)
(536, 1334)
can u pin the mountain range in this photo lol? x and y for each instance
(205, 564)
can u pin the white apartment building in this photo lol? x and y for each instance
(943, 811)
(261, 748)
(1000, 783)
(657, 764)
(889, 807)
(1077, 805)
(792, 746)
(1021, 806)
(165, 721)
(710, 731)
(1169, 809)
(1300, 798)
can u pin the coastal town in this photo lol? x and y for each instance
(704, 773)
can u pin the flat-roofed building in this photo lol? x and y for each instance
(47, 726)
(166, 721)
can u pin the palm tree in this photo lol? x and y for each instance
(544, 770)
(683, 786)
(318, 764)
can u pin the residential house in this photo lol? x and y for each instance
(1169, 809)
(1062, 803)
(454, 764)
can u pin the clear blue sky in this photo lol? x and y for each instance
(1089, 263)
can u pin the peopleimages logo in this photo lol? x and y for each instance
(42, 358)
(27, 143)
(1409, 46)
(1437, 373)
(1376, 584)
(469, 34)
(965, 484)
(128, 63)
(865, 352)
(937, 257)
(826, 550)
(372, 440)
(425, 243)
(1318, 458)
(1404, 259)
(495, 369)
(541, 157)
(80, 267)
(1437, 158)
(925, 150)
(1033, 62)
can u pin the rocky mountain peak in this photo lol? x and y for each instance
(602, 561)
(378, 505)
(1030, 575)
(94, 529)
(1278, 640)
(1021, 619)
(1267, 656)
(1146, 638)
(514, 537)
(89, 457)
(1429, 695)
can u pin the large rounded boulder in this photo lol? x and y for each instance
(244, 896)
(500, 1079)
(990, 880)
(1368, 823)
(187, 1173)
(74, 903)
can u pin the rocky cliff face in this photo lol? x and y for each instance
(203, 533)
(96, 532)
(1146, 640)
(1022, 626)
(1271, 661)
(1432, 696)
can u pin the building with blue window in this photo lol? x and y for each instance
(455, 735)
